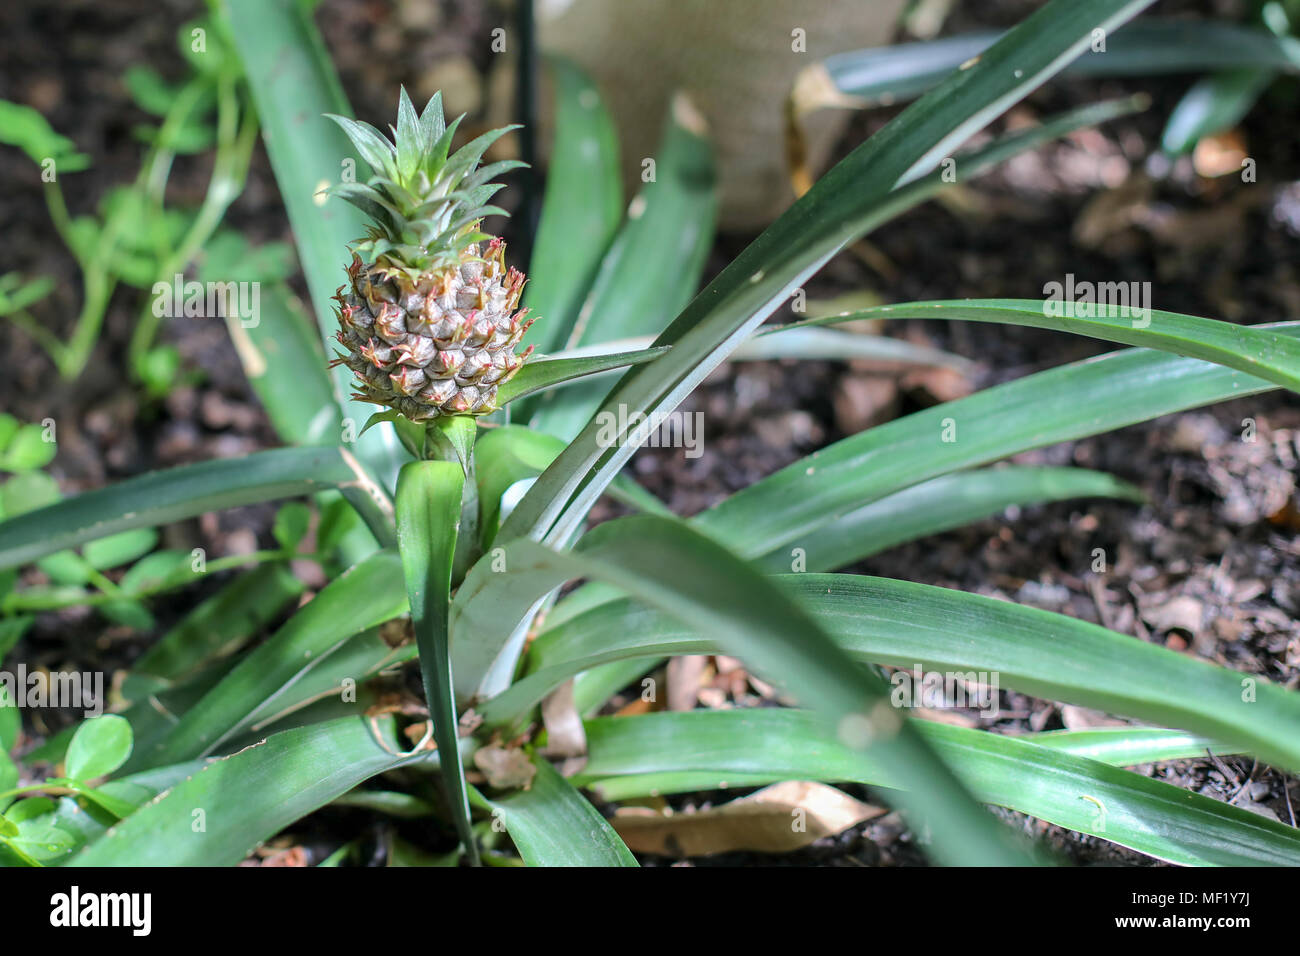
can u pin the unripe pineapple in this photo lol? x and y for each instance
(428, 317)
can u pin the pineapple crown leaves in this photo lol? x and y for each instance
(424, 201)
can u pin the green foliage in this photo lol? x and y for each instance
(136, 239)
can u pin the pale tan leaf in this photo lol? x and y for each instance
(776, 819)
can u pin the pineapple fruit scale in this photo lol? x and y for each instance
(428, 320)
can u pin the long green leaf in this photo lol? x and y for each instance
(547, 373)
(1074, 792)
(1213, 104)
(653, 267)
(1116, 746)
(900, 72)
(219, 815)
(940, 504)
(581, 209)
(693, 579)
(1256, 350)
(428, 519)
(903, 624)
(1129, 746)
(159, 497)
(365, 596)
(554, 825)
(294, 84)
(787, 508)
(216, 628)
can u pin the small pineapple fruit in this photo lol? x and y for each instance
(428, 318)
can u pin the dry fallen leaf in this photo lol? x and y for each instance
(776, 819)
(505, 767)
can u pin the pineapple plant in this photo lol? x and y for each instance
(428, 319)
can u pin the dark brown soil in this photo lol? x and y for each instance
(1209, 566)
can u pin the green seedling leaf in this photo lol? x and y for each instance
(119, 549)
(291, 523)
(27, 450)
(27, 129)
(162, 568)
(100, 746)
(66, 568)
(16, 294)
(27, 492)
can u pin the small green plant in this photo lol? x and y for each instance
(471, 513)
(136, 239)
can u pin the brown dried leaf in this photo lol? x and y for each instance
(776, 819)
(507, 768)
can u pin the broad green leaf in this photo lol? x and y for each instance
(902, 624)
(160, 497)
(940, 504)
(364, 597)
(1116, 746)
(248, 797)
(552, 824)
(291, 524)
(696, 581)
(546, 373)
(278, 348)
(1256, 350)
(897, 73)
(282, 359)
(1129, 746)
(510, 454)
(428, 519)
(100, 746)
(1212, 105)
(581, 209)
(294, 84)
(214, 629)
(653, 267)
(1080, 794)
(801, 343)
(786, 508)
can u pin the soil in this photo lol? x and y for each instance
(1209, 565)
